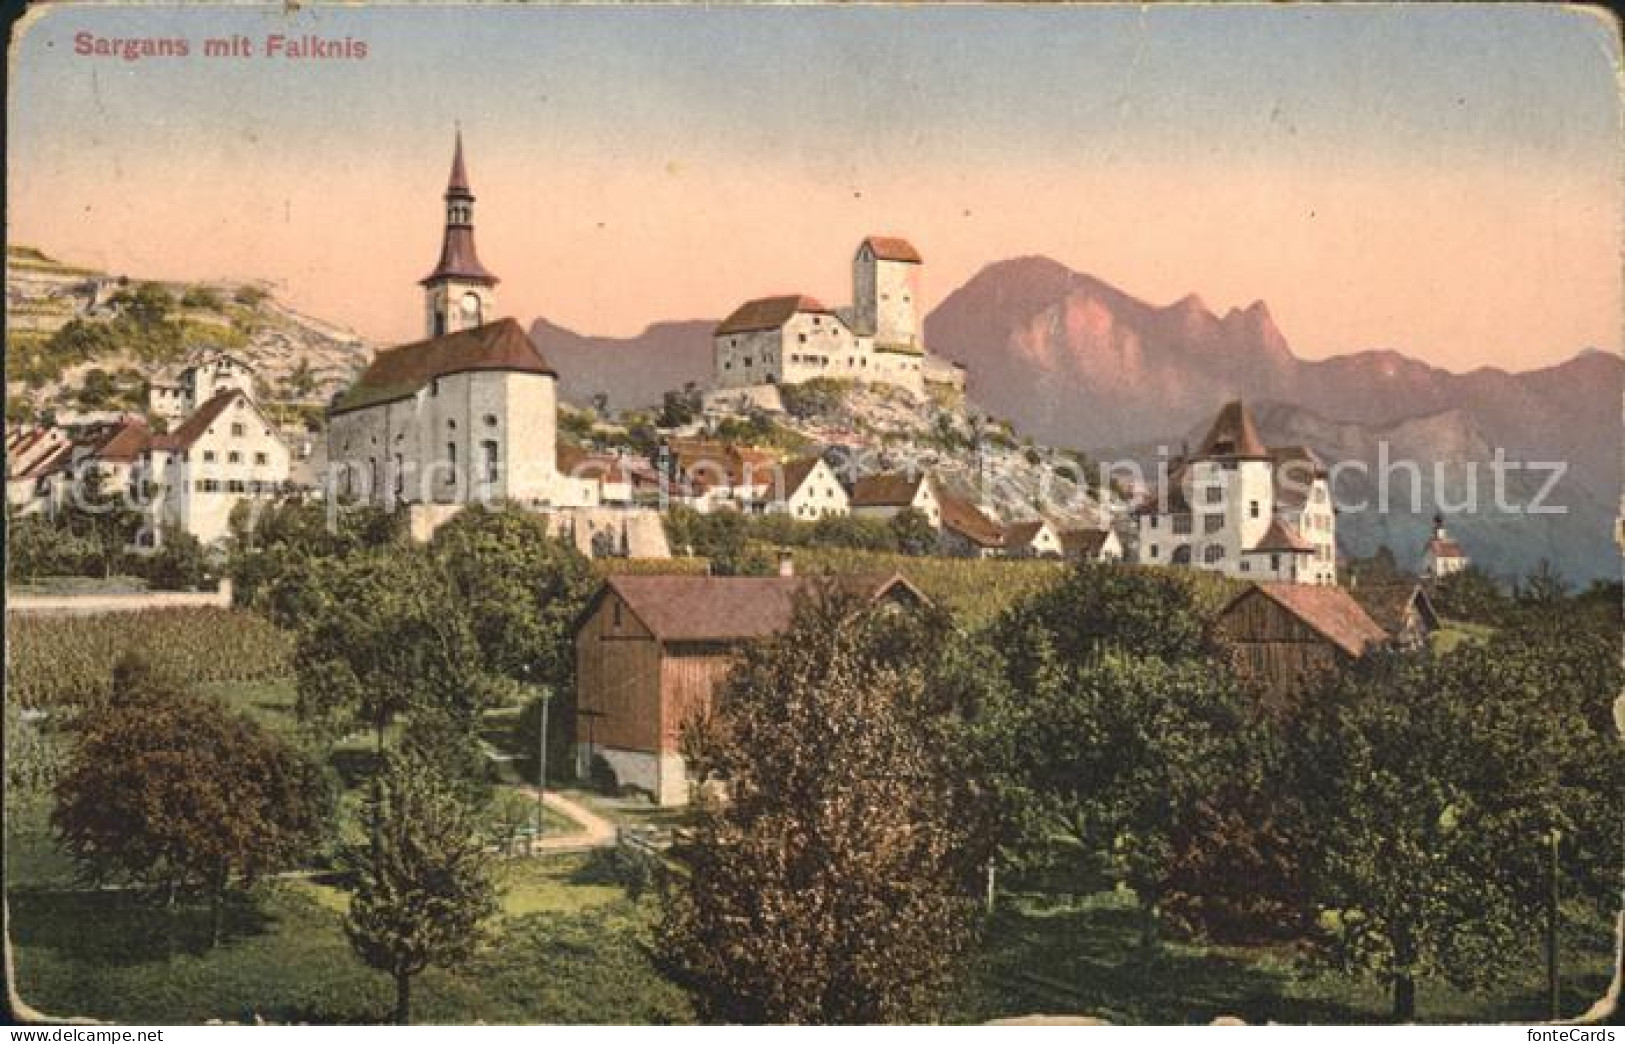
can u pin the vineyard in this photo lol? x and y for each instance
(55, 661)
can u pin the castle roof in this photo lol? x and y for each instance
(396, 373)
(731, 608)
(1233, 436)
(893, 248)
(1281, 536)
(769, 313)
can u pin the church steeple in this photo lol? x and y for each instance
(459, 290)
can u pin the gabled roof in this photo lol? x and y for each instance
(1443, 547)
(1281, 536)
(1233, 436)
(893, 248)
(396, 373)
(1388, 604)
(966, 519)
(894, 489)
(1084, 542)
(1330, 612)
(769, 313)
(126, 441)
(733, 608)
(798, 471)
(194, 427)
(1021, 534)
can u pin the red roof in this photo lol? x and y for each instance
(1085, 543)
(127, 441)
(895, 489)
(458, 258)
(1440, 547)
(1330, 612)
(731, 608)
(769, 313)
(198, 423)
(1234, 435)
(1021, 534)
(1281, 536)
(396, 373)
(962, 517)
(893, 248)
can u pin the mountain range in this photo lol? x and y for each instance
(1074, 361)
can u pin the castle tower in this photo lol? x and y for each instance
(886, 293)
(460, 292)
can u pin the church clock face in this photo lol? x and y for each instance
(471, 306)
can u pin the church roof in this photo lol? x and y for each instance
(457, 184)
(893, 248)
(1443, 547)
(769, 313)
(396, 373)
(731, 608)
(1233, 435)
(459, 259)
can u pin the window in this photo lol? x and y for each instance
(1246, 566)
(1275, 563)
(1182, 525)
(747, 361)
(434, 388)
(1214, 494)
(1212, 523)
(451, 458)
(617, 614)
(1213, 554)
(1154, 552)
(235, 486)
(400, 475)
(261, 459)
(802, 338)
(490, 451)
(237, 430)
(208, 456)
(234, 457)
(490, 420)
(1252, 508)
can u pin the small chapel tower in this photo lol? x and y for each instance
(460, 293)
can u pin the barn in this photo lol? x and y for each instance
(1282, 634)
(652, 650)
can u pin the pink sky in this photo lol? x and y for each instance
(1360, 223)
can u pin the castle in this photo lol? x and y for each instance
(794, 338)
(1244, 509)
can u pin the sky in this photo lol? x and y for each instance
(1444, 181)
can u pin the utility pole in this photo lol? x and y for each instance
(544, 694)
(1552, 982)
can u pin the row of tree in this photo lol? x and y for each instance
(1394, 819)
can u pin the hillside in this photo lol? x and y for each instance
(81, 340)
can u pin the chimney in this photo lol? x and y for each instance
(787, 562)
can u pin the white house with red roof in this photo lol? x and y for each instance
(226, 453)
(791, 338)
(1442, 556)
(1244, 509)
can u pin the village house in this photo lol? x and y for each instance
(224, 454)
(1283, 635)
(806, 489)
(1243, 509)
(468, 413)
(1403, 610)
(173, 395)
(652, 651)
(1034, 538)
(1091, 545)
(1442, 556)
(33, 455)
(791, 338)
(883, 496)
(965, 532)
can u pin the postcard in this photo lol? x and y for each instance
(809, 514)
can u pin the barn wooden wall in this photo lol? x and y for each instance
(1276, 649)
(618, 676)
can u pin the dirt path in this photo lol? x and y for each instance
(595, 832)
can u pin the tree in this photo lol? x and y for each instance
(178, 564)
(1471, 595)
(832, 885)
(424, 883)
(1119, 756)
(382, 637)
(104, 518)
(169, 790)
(679, 408)
(913, 532)
(1430, 786)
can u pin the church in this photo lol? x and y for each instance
(469, 413)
